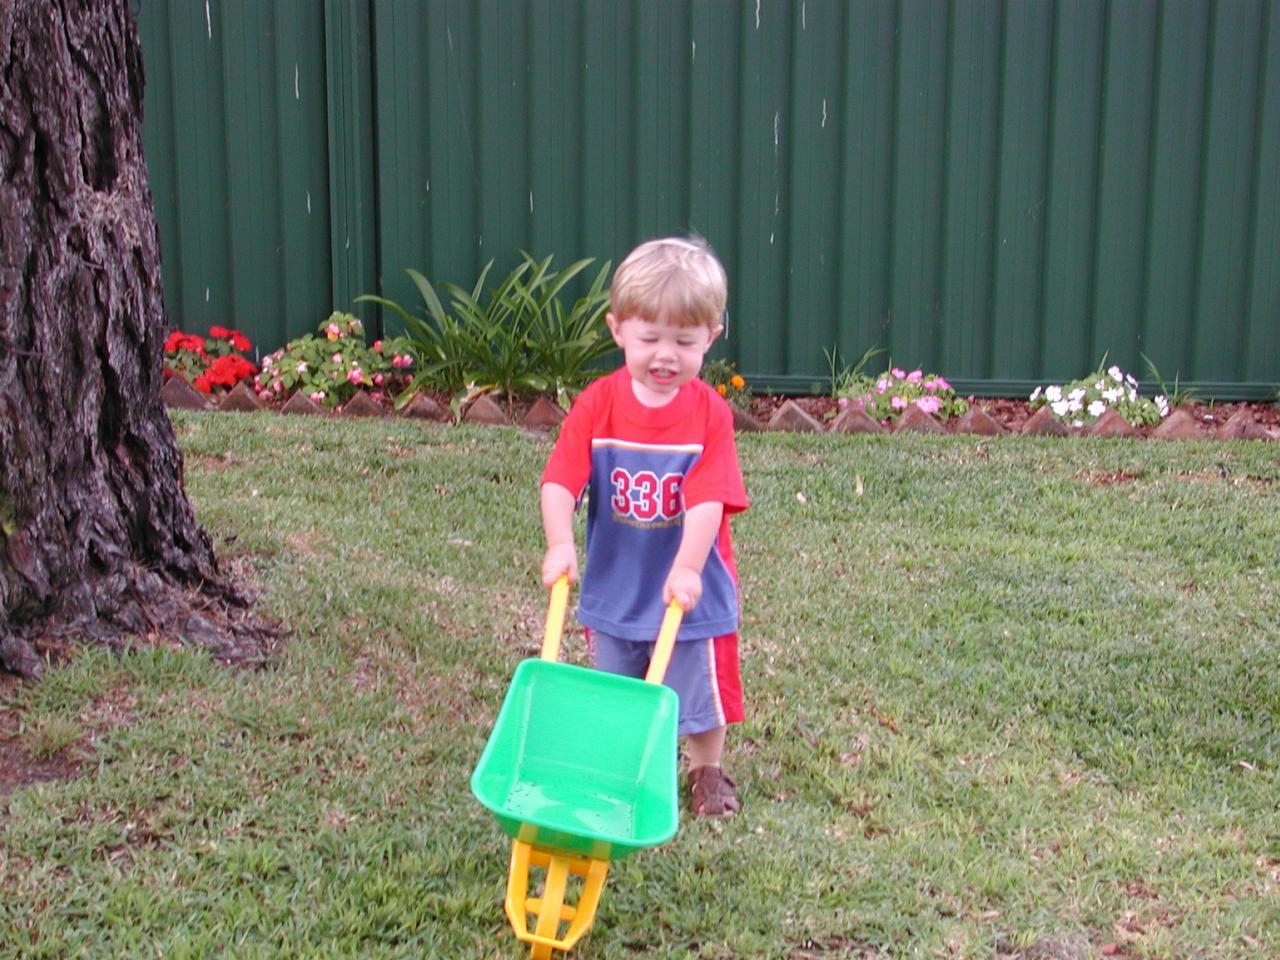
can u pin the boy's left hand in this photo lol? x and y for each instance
(684, 585)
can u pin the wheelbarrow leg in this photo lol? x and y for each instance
(550, 908)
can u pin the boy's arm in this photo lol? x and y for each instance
(557, 523)
(684, 580)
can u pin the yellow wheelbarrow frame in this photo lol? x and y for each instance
(564, 855)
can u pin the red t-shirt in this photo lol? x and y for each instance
(643, 467)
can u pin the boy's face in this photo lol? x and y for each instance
(660, 356)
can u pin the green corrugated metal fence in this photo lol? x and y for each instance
(1001, 192)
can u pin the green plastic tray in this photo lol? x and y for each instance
(582, 761)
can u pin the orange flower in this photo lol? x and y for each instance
(721, 389)
(737, 381)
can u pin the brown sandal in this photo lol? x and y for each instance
(712, 793)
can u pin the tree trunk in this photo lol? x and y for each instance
(97, 538)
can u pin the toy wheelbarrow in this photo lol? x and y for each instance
(580, 769)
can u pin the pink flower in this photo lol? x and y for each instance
(898, 403)
(843, 402)
(318, 396)
(377, 346)
(336, 358)
(942, 384)
(279, 387)
(914, 376)
(896, 372)
(930, 384)
(377, 379)
(302, 366)
(882, 385)
(354, 376)
(376, 396)
(929, 404)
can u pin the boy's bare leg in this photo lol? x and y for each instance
(706, 748)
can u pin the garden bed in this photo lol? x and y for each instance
(1258, 421)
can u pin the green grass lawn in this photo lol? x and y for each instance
(1011, 697)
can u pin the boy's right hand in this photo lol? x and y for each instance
(560, 559)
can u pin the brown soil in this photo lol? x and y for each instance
(18, 768)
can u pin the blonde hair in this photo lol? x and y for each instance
(676, 278)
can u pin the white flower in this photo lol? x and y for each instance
(1076, 394)
(1034, 394)
(1133, 394)
(1115, 373)
(1097, 408)
(1128, 378)
(302, 366)
(1053, 394)
(1162, 404)
(1100, 385)
(1111, 396)
(1060, 407)
(1077, 423)
(1075, 406)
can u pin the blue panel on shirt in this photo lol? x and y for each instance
(635, 519)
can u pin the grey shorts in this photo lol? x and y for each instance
(703, 673)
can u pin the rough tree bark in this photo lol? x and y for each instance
(97, 538)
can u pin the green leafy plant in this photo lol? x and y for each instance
(728, 382)
(1083, 401)
(516, 340)
(212, 363)
(887, 396)
(331, 365)
(1177, 395)
(842, 376)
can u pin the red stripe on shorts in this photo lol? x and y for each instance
(728, 679)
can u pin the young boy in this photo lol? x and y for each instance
(655, 444)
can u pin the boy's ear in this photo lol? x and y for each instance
(615, 327)
(715, 332)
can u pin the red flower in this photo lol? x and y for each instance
(229, 370)
(240, 341)
(174, 342)
(203, 385)
(220, 333)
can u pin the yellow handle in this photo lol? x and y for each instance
(555, 619)
(666, 643)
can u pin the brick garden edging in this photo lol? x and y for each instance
(544, 415)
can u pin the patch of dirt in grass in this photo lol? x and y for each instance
(18, 767)
(833, 947)
(1068, 947)
(1107, 478)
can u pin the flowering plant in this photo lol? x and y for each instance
(1083, 401)
(886, 396)
(208, 362)
(329, 366)
(730, 384)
